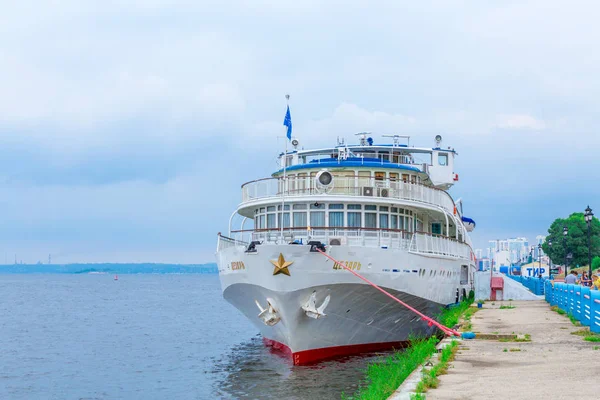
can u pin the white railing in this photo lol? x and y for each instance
(421, 243)
(224, 242)
(439, 245)
(347, 186)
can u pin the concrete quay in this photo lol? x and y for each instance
(554, 365)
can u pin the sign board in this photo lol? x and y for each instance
(534, 270)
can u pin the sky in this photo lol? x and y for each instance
(127, 127)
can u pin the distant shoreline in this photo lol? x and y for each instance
(109, 268)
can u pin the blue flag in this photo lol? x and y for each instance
(288, 122)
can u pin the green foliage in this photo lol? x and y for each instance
(596, 263)
(430, 378)
(592, 338)
(386, 375)
(576, 240)
(450, 316)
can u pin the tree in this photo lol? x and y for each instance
(577, 242)
(596, 263)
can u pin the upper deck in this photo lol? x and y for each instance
(433, 166)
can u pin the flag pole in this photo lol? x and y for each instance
(283, 183)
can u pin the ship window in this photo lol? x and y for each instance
(379, 176)
(370, 220)
(256, 211)
(383, 221)
(271, 221)
(299, 207)
(270, 208)
(419, 226)
(443, 159)
(394, 221)
(394, 209)
(405, 178)
(286, 220)
(336, 219)
(354, 206)
(401, 211)
(371, 208)
(317, 206)
(384, 208)
(262, 210)
(299, 219)
(354, 219)
(336, 206)
(413, 179)
(436, 228)
(261, 222)
(394, 175)
(317, 219)
(285, 207)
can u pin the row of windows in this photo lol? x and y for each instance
(366, 176)
(336, 216)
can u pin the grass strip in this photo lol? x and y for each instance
(430, 378)
(385, 376)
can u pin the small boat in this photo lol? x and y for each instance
(116, 277)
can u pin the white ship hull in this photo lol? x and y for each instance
(358, 318)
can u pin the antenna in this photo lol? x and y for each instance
(397, 138)
(363, 137)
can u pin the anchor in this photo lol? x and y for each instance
(268, 315)
(311, 309)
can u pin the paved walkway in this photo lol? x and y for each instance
(554, 365)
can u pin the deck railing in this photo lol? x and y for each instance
(347, 186)
(419, 243)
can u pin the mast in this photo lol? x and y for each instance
(284, 181)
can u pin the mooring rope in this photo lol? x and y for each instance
(430, 321)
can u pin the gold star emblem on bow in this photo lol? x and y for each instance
(281, 266)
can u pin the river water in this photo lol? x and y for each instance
(145, 337)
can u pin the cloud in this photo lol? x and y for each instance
(122, 121)
(520, 122)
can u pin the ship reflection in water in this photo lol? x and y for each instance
(253, 371)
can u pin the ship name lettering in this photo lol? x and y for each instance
(235, 265)
(353, 265)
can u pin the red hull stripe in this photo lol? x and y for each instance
(326, 353)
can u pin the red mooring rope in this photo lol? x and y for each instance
(430, 321)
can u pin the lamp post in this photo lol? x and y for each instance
(540, 257)
(549, 259)
(565, 233)
(589, 215)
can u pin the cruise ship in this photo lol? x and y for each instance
(381, 210)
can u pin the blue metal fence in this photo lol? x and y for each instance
(535, 285)
(578, 301)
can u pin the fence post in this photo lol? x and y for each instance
(595, 311)
(577, 302)
(586, 304)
